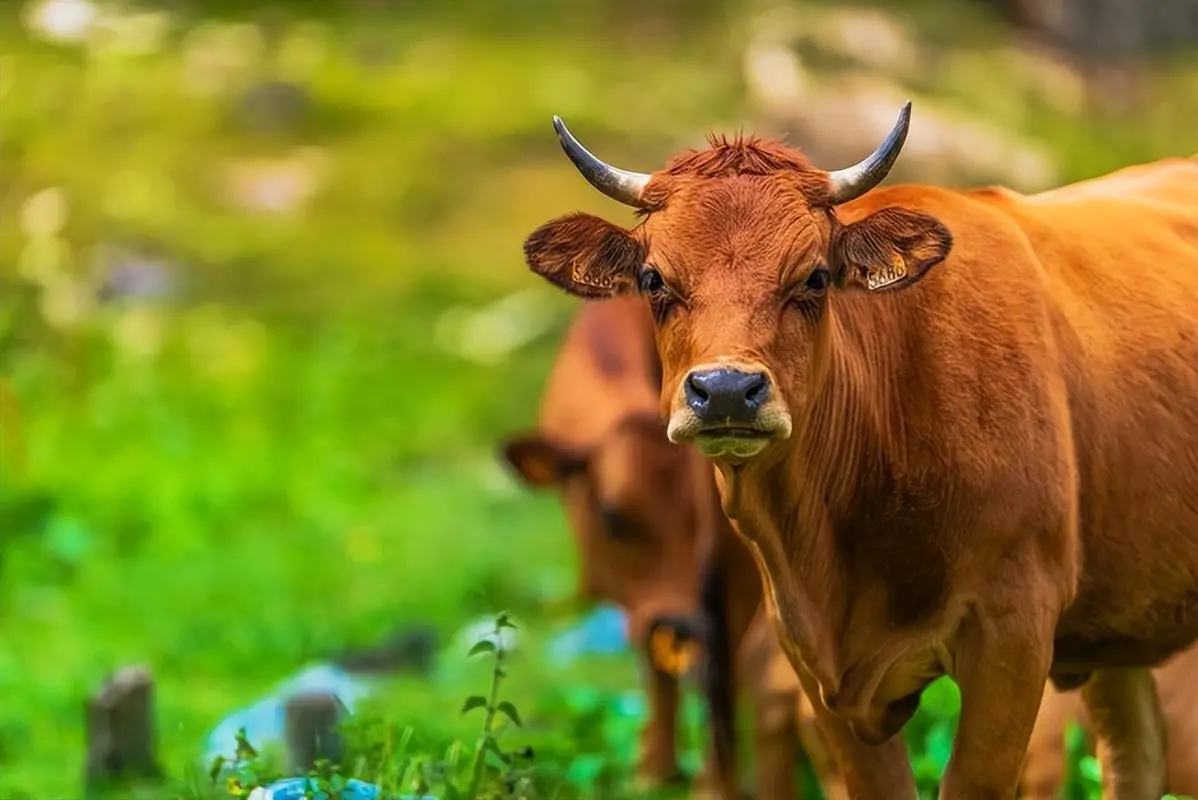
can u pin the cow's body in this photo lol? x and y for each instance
(600, 402)
(1046, 380)
(1047, 391)
(1177, 685)
(958, 429)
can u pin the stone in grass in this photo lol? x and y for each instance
(297, 788)
(120, 733)
(310, 729)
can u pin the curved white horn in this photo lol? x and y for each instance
(852, 182)
(618, 184)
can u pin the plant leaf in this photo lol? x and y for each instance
(509, 710)
(214, 770)
(473, 702)
(482, 646)
(245, 750)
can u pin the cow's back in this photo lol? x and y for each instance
(1169, 180)
(605, 369)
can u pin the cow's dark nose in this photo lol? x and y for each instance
(726, 395)
(684, 628)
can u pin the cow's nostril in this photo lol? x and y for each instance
(758, 390)
(694, 388)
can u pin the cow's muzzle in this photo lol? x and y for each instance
(728, 411)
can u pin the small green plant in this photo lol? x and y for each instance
(245, 772)
(494, 773)
(514, 771)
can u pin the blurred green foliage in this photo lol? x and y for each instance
(282, 442)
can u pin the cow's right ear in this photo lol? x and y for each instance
(585, 255)
(539, 461)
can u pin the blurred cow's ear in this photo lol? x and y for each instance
(890, 249)
(538, 461)
(585, 255)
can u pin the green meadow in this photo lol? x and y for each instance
(280, 443)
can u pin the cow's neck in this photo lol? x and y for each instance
(848, 444)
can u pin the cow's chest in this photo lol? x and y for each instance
(778, 610)
(872, 681)
(871, 656)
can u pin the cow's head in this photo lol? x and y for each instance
(631, 504)
(742, 257)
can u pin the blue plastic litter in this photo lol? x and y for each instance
(295, 789)
(263, 721)
(604, 631)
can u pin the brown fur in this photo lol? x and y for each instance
(600, 405)
(993, 466)
(1177, 686)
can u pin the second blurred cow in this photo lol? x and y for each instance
(647, 521)
(1177, 689)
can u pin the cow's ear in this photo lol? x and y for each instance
(585, 255)
(539, 461)
(890, 249)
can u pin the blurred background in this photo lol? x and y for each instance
(264, 315)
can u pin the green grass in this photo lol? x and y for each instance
(297, 454)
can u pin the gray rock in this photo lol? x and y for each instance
(120, 730)
(310, 730)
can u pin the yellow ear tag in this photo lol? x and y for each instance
(670, 656)
(881, 278)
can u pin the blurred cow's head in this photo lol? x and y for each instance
(632, 505)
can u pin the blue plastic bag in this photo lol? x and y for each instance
(295, 789)
(263, 721)
(603, 632)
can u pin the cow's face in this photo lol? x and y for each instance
(631, 504)
(741, 257)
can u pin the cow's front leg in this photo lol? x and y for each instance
(658, 763)
(815, 745)
(1129, 733)
(1001, 661)
(868, 772)
(777, 739)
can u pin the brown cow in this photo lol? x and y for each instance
(1177, 685)
(646, 516)
(986, 468)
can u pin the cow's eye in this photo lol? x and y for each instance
(651, 281)
(615, 523)
(661, 299)
(819, 280)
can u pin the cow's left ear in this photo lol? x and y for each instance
(585, 255)
(538, 460)
(890, 249)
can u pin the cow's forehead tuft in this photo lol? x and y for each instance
(740, 155)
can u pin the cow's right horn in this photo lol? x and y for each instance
(852, 182)
(618, 184)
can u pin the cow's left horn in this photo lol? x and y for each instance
(852, 182)
(618, 184)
